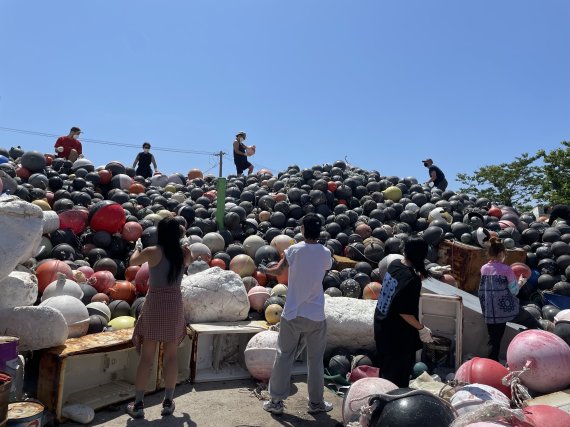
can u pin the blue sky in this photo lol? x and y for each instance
(385, 83)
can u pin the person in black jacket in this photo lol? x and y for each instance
(559, 212)
(144, 159)
(435, 175)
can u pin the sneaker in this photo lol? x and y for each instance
(167, 407)
(136, 410)
(315, 408)
(274, 407)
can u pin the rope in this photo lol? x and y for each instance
(519, 392)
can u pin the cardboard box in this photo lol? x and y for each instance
(96, 370)
(466, 262)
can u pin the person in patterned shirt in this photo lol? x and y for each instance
(497, 294)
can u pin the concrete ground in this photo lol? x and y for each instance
(223, 404)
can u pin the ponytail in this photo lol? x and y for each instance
(496, 246)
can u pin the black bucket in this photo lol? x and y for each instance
(438, 354)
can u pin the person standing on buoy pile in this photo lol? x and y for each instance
(144, 159)
(162, 316)
(435, 175)
(397, 331)
(241, 152)
(497, 293)
(558, 212)
(303, 317)
(69, 147)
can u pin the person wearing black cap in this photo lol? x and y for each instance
(241, 151)
(69, 147)
(435, 175)
(303, 318)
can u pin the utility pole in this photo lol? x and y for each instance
(221, 156)
(221, 197)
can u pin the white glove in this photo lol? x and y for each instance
(59, 149)
(425, 335)
(442, 269)
(139, 245)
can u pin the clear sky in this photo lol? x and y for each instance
(384, 83)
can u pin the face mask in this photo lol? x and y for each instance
(75, 136)
(146, 150)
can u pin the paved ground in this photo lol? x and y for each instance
(223, 404)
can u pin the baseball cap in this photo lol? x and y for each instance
(427, 160)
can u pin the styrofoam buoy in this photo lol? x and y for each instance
(19, 289)
(75, 313)
(469, 397)
(21, 224)
(62, 286)
(546, 355)
(260, 354)
(356, 397)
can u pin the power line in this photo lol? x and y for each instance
(103, 142)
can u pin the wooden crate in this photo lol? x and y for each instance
(466, 262)
(344, 262)
(213, 342)
(96, 370)
(184, 358)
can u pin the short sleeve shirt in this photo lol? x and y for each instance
(308, 263)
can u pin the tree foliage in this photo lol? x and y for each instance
(513, 184)
(524, 182)
(556, 170)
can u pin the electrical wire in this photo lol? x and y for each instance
(104, 142)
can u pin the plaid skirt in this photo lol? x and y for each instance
(161, 318)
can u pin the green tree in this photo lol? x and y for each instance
(518, 183)
(555, 187)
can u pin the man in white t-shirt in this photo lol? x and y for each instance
(303, 318)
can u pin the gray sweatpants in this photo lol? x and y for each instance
(290, 334)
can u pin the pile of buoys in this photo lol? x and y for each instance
(101, 211)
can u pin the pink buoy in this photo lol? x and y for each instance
(358, 395)
(548, 416)
(102, 280)
(257, 297)
(132, 231)
(547, 357)
(141, 279)
(86, 270)
(484, 371)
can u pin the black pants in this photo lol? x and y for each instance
(496, 332)
(396, 366)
